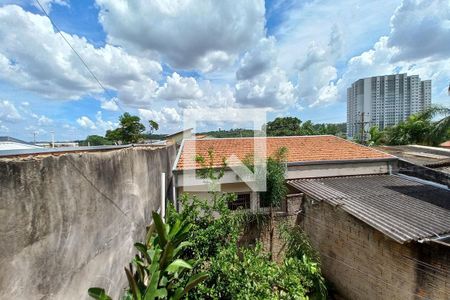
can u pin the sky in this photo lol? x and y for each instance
(156, 58)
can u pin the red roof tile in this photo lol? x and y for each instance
(300, 149)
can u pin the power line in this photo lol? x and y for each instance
(77, 54)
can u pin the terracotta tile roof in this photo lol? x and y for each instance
(300, 149)
(445, 144)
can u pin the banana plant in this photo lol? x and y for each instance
(155, 271)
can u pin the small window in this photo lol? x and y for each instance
(242, 202)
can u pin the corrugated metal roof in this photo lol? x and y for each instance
(402, 208)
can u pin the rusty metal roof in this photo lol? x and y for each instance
(402, 208)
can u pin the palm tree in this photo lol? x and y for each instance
(441, 128)
(421, 129)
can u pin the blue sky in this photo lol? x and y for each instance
(156, 58)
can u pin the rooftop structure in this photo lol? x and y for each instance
(435, 158)
(300, 149)
(11, 144)
(402, 208)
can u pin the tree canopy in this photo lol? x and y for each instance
(130, 130)
(420, 128)
(289, 126)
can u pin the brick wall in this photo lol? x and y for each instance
(362, 263)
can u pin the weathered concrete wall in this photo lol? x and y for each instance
(69, 222)
(362, 263)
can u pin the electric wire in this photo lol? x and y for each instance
(78, 55)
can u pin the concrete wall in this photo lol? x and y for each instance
(361, 263)
(69, 222)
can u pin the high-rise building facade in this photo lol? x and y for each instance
(384, 101)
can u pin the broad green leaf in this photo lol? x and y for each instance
(143, 250)
(181, 246)
(160, 228)
(175, 228)
(195, 280)
(177, 264)
(150, 230)
(151, 291)
(98, 293)
(166, 256)
(133, 286)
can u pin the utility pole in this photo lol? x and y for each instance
(34, 137)
(53, 138)
(362, 123)
(363, 136)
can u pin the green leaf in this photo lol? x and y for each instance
(166, 256)
(195, 280)
(98, 293)
(133, 286)
(150, 230)
(152, 289)
(177, 264)
(175, 228)
(181, 246)
(160, 228)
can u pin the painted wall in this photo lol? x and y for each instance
(69, 222)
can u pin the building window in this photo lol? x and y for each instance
(242, 202)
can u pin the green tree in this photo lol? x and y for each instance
(376, 136)
(421, 128)
(284, 126)
(153, 126)
(307, 128)
(130, 130)
(276, 190)
(96, 140)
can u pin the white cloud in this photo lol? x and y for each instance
(258, 60)
(165, 116)
(3, 128)
(47, 4)
(378, 61)
(86, 123)
(44, 120)
(99, 124)
(203, 34)
(8, 112)
(420, 29)
(177, 87)
(103, 124)
(110, 105)
(316, 75)
(270, 89)
(57, 72)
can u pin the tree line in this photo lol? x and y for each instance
(129, 131)
(430, 127)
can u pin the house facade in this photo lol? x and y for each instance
(379, 234)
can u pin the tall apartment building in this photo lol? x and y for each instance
(384, 101)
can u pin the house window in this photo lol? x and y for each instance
(242, 202)
(263, 201)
